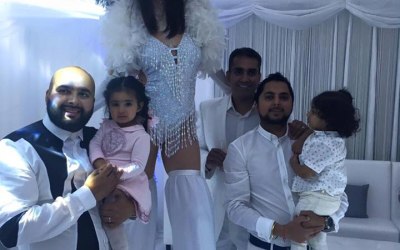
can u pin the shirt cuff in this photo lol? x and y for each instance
(263, 228)
(86, 197)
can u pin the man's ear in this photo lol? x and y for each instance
(46, 97)
(228, 77)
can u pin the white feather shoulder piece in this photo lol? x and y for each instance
(123, 34)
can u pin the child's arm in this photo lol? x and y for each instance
(301, 170)
(297, 146)
(139, 157)
(299, 132)
(96, 154)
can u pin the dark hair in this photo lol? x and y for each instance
(273, 77)
(175, 16)
(129, 83)
(337, 110)
(246, 52)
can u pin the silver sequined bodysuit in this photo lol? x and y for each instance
(171, 82)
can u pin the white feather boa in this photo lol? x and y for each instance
(124, 33)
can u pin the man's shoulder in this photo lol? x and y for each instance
(211, 103)
(246, 138)
(31, 130)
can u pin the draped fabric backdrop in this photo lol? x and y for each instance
(318, 44)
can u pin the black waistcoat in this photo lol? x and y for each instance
(49, 148)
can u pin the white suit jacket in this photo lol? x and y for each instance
(211, 126)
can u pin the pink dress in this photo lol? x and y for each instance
(129, 149)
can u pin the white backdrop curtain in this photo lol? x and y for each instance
(301, 14)
(318, 44)
(343, 51)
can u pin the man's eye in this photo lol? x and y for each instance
(238, 72)
(284, 97)
(62, 91)
(269, 97)
(84, 95)
(252, 72)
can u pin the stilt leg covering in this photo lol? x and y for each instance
(190, 211)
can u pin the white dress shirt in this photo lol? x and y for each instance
(258, 178)
(25, 187)
(238, 124)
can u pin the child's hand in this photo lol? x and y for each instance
(99, 163)
(297, 147)
(296, 129)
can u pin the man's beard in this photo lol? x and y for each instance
(281, 121)
(57, 116)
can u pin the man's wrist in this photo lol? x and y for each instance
(329, 224)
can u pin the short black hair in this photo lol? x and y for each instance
(273, 77)
(337, 110)
(246, 52)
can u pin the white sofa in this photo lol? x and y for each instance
(383, 207)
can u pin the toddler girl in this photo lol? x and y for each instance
(319, 165)
(123, 142)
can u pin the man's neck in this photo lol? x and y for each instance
(276, 129)
(242, 105)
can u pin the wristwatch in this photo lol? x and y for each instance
(329, 224)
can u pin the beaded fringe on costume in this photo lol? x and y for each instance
(175, 137)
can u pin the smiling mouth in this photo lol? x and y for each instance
(245, 86)
(71, 112)
(276, 110)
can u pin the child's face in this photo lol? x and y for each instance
(314, 121)
(123, 107)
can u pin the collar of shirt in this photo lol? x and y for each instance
(231, 109)
(60, 133)
(319, 133)
(271, 137)
(113, 125)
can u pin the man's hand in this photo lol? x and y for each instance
(118, 209)
(215, 158)
(295, 231)
(314, 220)
(103, 181)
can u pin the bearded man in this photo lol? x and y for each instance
(48, 188)
(258, 176)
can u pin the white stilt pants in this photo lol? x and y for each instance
(190, 211)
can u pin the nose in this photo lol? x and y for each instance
(276, 100)
(244, 77)
(73, 98)
(121, 109)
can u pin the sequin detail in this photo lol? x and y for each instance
(171, 88)
(113, 142)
